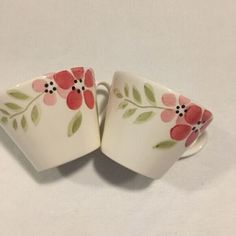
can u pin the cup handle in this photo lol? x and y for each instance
(196, 146)
(103, 105)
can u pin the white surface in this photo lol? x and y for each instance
(187, 45)
(130, 144)
(47, 144)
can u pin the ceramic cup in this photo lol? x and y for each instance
(52, 118)
(148, 127)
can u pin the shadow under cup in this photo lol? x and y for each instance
(148, 127)
(52, 118)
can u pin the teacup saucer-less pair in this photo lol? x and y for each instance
(53, 119)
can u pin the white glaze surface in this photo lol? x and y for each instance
(187, 45)
(47, 144)
(130, 143)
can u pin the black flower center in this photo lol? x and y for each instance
(78, 86)
(50, 87)
(180, 110)
(198, 126)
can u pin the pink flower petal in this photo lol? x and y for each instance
(193, 115)
(202, 129)
(89, 99)
(38, 85)
(50, 75)
(63, 92)
(64, 79)
(168, 115)
(78, 72)
(74, 100)
(207, 115)
(50, 99)
(169, 99)
(183, 100)
(192, 137)
(89, 78)
(181, 120)
(180, 132)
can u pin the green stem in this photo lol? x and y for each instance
(27, 107)
(140, 106)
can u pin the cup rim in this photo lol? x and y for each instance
(156, 84)
(26, 82)
(143, 79)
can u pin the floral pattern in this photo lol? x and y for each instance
(177, 107)
(195, 122)
(74, 85)
(78, 85)
(50, 90)
(190, 119)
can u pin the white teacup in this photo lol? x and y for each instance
(148, 127)
(53, 118)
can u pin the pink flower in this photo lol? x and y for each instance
(175, 108)
(196, 122)
(77, 83)
(49, 88)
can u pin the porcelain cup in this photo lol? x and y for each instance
(148, 126)
(53, 118)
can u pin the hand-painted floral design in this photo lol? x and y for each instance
(49, 88)
(78, 84)
(73, 85)
(191, 119)
(177, 107)
(132, 102)
(196, 121)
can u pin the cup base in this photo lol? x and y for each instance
(131, 167)
(58, 164)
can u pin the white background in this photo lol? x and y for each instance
(189, 46)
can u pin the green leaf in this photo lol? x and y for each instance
(136, 95)
(18, 94)
(123, 105)
(149, 92)
(74, 124)
(126, 90)
(129, 112)
(4, 120)
(12, 106)
(35, 114)
(165, 144)
(14, 124)
(4, 112)
(145, 116)
(117, 93)
(24, 124)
